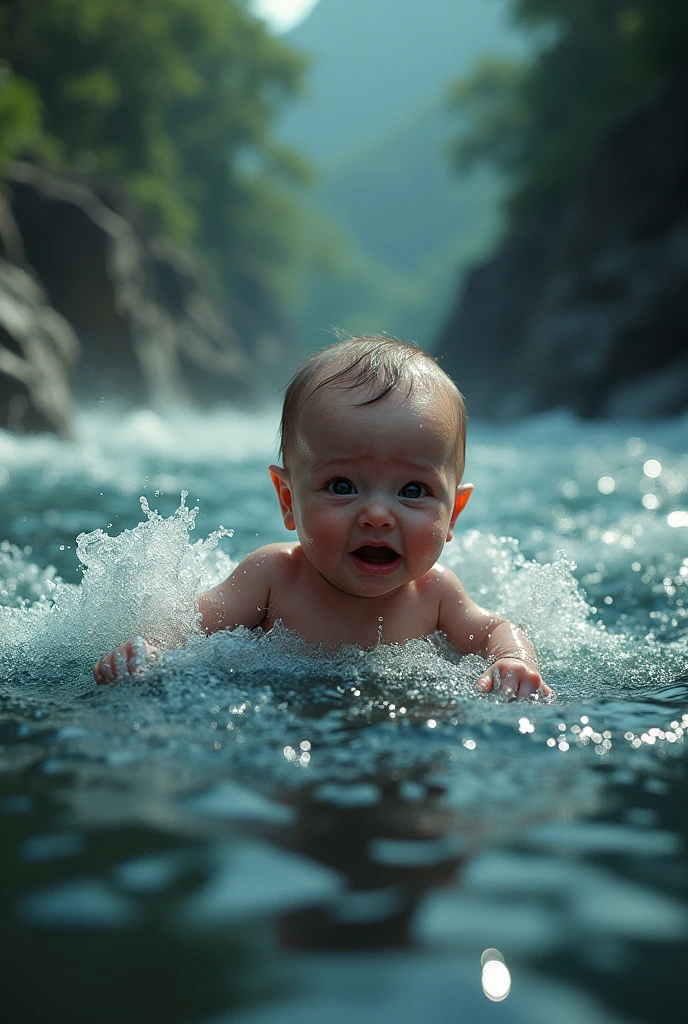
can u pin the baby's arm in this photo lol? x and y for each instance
(473, 630)
(241, 600)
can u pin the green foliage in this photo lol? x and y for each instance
(170, 97)
(536, 120)
(492, 104)
(20, 118)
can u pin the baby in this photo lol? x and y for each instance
(372, 443)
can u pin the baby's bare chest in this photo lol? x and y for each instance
(345, 619)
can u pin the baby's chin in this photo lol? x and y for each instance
(366, 585)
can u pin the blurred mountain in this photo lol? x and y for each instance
(392, 223)
(375, 62)
(399, 196)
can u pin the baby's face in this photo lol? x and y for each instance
(372, 489)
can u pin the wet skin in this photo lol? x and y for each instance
(373, 493)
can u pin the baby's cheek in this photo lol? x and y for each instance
(429, 540)
(439, 531)
(319, 530)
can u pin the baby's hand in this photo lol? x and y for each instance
(513, 678)
(131, 659)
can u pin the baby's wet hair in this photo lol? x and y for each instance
(376, 363)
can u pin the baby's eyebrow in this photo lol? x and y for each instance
(339, 461)
(351, 460)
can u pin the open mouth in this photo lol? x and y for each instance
(376, 558)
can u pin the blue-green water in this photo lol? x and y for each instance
(260, 832)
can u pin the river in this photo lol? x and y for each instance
(258, 831)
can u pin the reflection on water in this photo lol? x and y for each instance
(495, 975)
(262, 831)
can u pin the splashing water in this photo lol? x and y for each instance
(598, 578)
(388, 705)
(141, 582)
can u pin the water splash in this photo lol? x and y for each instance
(140, 582)
(295, 715)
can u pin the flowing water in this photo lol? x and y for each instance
(259, 831)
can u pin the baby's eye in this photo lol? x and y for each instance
(341, 486)
(413, 490)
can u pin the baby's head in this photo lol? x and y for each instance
(368, 369)
(373, 439)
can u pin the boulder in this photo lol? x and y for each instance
(589, 310)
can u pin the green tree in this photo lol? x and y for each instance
(175, 98)
(536, 121)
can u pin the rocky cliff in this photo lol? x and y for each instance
(93, 305)
(39, 351)
(589, 309)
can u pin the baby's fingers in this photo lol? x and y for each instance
(139, 655)
(486, 682)
(513, 682)
(105, 671)
(531, 685)
(500, 682)
(130, 659)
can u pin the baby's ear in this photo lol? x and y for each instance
(463, 493)
(280, 479)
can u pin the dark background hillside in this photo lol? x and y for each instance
(503, 181)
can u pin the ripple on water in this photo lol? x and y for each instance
(607, 615)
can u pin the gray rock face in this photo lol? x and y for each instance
(589, 311)
(93, 304)
(39, 351)
(149, 332)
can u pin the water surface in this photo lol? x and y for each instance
(262, 831)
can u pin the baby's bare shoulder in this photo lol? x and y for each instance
(453, 599)
(275, 550)
(270, 559)
(244, 597)
(442, 581)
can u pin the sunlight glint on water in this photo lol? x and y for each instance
(578, 532)
(596, 579)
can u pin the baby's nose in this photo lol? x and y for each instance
(376, 513)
